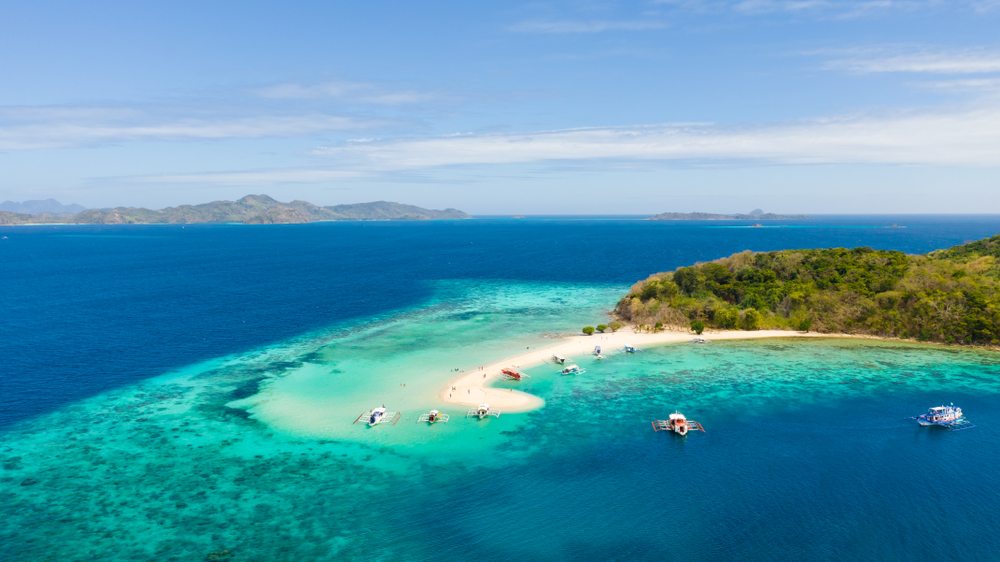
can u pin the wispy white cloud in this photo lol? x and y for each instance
(567, 26)
(824, 9)
(988, 85)
(354, 92)
(25, 128)
(974, 61)
(251, 177)
(970, 137)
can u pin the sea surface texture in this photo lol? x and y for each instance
(188, 392)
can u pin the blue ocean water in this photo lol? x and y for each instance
(806, 456)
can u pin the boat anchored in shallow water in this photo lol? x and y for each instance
(948, 417)
(678, 424)
(379, 415)
(631, 349)
(558, 359)
(700, 340)
(573, 370)
(511, 373)
(482, 411)
(433, 417)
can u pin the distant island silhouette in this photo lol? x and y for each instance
(756, 214)
(252, 209)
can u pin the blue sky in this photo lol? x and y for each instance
(814, 106)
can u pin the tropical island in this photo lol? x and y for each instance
(948, 296)
(252, 209)
(755, 214)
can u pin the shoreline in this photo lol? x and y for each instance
(472, 387)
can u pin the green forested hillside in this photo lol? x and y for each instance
(949, 295)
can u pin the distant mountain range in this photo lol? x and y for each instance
(252, 209)
(37, 207)
(755, 214)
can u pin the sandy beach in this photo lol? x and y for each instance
(473, 388)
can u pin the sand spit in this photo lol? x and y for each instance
(473, 387)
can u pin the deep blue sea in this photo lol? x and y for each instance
(163, 391)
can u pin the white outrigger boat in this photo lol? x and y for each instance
(379, 415)
(558, 359)
(700, 340)
(573, 370)
(678, 424)
(597, 353)
(433, 417)
(482, 411)
(948, 417)
(631, 349)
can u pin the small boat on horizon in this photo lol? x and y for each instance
(948, 417)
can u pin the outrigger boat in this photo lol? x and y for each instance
(631, 349)
(379, 415)
(573, 370)
(482, 411)
(597, 353)
(700, 340)
(558, 359)
(512, 373)
(678, 424)
(434, 416)
(948, 417)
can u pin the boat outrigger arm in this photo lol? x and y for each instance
(388, 417)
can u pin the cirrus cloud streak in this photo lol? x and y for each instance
(961, 138)
(39, 128)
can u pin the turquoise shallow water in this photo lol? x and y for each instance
(171, 393)
(254, 457)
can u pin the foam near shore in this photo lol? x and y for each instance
(473, 388)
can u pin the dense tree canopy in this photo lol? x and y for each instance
(950, 295)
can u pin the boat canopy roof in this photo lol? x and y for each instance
(677, 416)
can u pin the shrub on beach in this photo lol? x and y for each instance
(752, 320)
(589, 330)
(698, 326)
(601, 328)
(615, 326)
